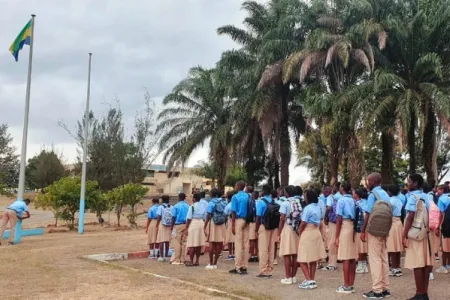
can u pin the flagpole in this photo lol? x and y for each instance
(83, 171)
(23, 154)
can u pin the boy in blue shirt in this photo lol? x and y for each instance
(179, 215)
(13, 213)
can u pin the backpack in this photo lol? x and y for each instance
(433, 216)
(419, 226)
(380, 219)
(295, 217)
(219, 217)
(251, 210)
(166, 217)
(445, 227)
(332, 216)
(271, 218)
(358, 222)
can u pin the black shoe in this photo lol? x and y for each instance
(373, 295)
(234, 271)
(256, 259)
(11, 243)
(251, 259)
(386, 293)
(263, 276)
(243, 271)
(419, 297)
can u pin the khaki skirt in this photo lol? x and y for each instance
(435, 242)
(164, 234)
(311, 247)
(252, 233)
(347, 249)
(216, 233)
(196, 235)
(418, 254)
(445, 244)
(362, 246)
(394, 240)
(288, 241)
(151, 233)
(229, 236)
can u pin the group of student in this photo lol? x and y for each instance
(360, 228)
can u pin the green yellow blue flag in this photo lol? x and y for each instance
(24, 38)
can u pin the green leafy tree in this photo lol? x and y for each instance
(44, 169)
(237, 173)
(9, 162)
(206, 170)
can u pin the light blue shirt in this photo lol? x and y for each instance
(152, 212)
(443, 202)
(212, 205)
(402, 198)
(397, 206)
(281, 200)
(160, 210)
(346, 207)
(239, 204)
(322, 207)
(330, 200)
(411, 201)
(285, 208)
(19, 206)
(179, 212)
(227, 209)
(261, 205)
(196, 211)
(371, 199)
(363, 204)
(311, 214)
(204, 203)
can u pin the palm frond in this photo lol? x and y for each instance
(292, 64)
(382, 38)
(361, 57)
(311, 61)
(272, 75)
(330, 22)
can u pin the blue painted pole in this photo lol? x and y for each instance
(18, 232)
(26, 232)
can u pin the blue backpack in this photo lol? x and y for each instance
(359, 218)
(332, 216)
(251, 210)
(218, 216)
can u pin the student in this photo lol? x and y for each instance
(378, 255)
(326, 192)
(291, 217)
(11, 214)
(203, 201)
(215, 233)
(179, 213)
(151, 228)
(266, 236)
(443, 203)
(194, 230)
(239, 205)
(330, 222)
(278, 197)
(252, 228)
(418, 255)
(163, 223)
(229, 236)
(345, 238)
(311, 248)
(360, 196)
(394, 241)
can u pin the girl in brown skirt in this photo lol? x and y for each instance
(360, 196)
(311, 248)
(163, 233)
(194, 230)
(345, 238)
(151, 228)
(394, 240)
(215, 233)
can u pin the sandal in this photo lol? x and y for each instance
(196, 264)
(188, 264)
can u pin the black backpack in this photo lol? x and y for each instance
(445, 228)
(271, 218)
(251, 211)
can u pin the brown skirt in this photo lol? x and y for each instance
(311, 247)
(362, 246)
(229, 236)
(252, 233)
(418, 254)
(394, 241)
(435, 242)
(151, 233)
(164, 234)
(196, 235)
(288, 241)
(347, 242)
(445, 244)
(216, 233)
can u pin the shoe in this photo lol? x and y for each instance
(11, 243)
(214, 267)
(256, 259)
(431, 276)
(391, 272)
(397, 272)
(286, 281)
(437, 258)
(366, 269)
(353, 289)
(177, 263)
(386, 293)
(243, 271)
(263, 276)
(419, 297)
(294, 280)
(250, 259)
(442, 270)
(360, 269)
(209, 267)
(160, 259)
(303, 284)
(235, 271)
(373, 295)
(329, 268)
(230, 257)
(275, 262)
(344, 290)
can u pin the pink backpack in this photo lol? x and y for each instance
(433, 216)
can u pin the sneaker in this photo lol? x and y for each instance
(177, 263)
(286, 281)
(396, 272)
(329, 268)
(360, 269)
(230, 257)
(11, 243)
(344, 290)
(275, 262)
(161, 259)
(366, 269)
(437, 258)
(294, 280)
(308, 285)
(442, 270)
(373, 295)
(431, 276)
(235, 271)
(386, 293)
(391, 272)
(209, 267)
(263, 276)
(353, 289)
(312, 284)
(243, 271)
(303, 284)
(214, 267)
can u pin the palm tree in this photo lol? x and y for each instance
(201, 113)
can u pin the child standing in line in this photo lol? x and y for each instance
(345, 238)
(163, 223)
(311, 248)
(194, 230)
(291, 217)
(151, 228)
(229, 236)
(394, 240)
(443, 204)
(360, 196)
(252, 228)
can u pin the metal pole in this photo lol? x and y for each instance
(83, 172)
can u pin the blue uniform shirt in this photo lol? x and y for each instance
(397, 206)
(196, 211)
(179, 212)
(261, 205)
(402, 198)
(322, 207)
(19, 207)
(239, 204)
(371, 199)
(330, 200)
(363, 204)
(227, 209)
(443, 202)
(152, 212)
(411, 201)
(346, 207)
(212, 205)
(281, 200)
(311, 214)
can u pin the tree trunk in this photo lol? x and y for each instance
(412, 145)
(334, 159)
(222, 168)
(387, 157)
(285, 147)
(276, 178)
(355, 164)
(429, 149)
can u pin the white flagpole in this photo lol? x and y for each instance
(83, 172)
(23, 155)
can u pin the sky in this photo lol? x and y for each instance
(136, 45)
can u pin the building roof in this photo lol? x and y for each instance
(157, 168)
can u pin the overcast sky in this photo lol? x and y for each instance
(135, 44)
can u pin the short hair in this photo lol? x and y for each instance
(393, 189)
(274, 193)
(327, 189)
(311, 196)
(203, 194)
(155, 200)
(255, 195)
(426, 188)
(418, 179)
(197, 196)
(230, 195)
(182, 196)
(214, 193)
(27, 201)
(266, 190)
(362, 193)
(376, 178)
(249, 189)
(165, 198)
(240, 185)
(347, 187)
(290, 190)
(298, 190)
(444, 188)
